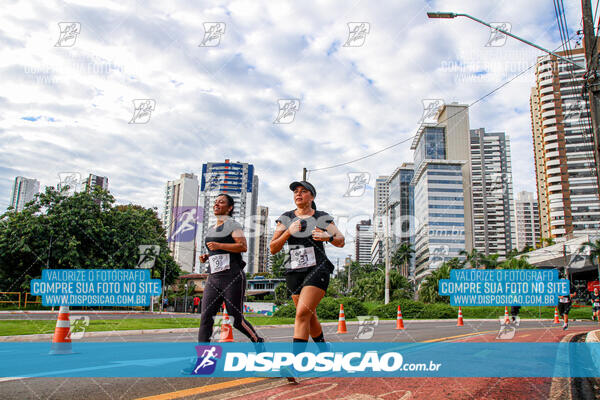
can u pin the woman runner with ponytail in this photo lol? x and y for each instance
(227, 281)
(305, 229)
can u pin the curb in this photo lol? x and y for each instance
(27, 338)
(594, 337)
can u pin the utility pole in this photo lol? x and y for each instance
(591, 77)
(387, 257)
(303, 174)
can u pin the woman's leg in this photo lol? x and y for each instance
(315, 326)
(211, 301)
(234, 301)
(306, 307)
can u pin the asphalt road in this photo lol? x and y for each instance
(416, 331)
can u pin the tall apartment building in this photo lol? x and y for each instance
(527, 220)
(237, 180)
(491, 175)
(401, 209)
(442, 189)
(563, 149)
(261, 239)
(95, 180)
(380, 197)
(181, 216)
(363, 241)
(23, 191)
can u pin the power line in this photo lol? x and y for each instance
(438, 123)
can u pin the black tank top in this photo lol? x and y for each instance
(302, 246)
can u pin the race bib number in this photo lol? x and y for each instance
(564, 299)
(596, 304)
(218, 263)
(303, 257)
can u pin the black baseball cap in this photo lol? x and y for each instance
(307, 185)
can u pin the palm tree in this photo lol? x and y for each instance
(526, 249)
(473, 258)
(489, 262)
(546, 242)
(402, 256)
(516, 263)
(428, 292)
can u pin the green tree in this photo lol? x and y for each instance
(429, 290)
(546, 242)
(84, 230)
(526, 249)
(402, 257)
(277, 268)
(372, 287)
(473, 258)
(489, 261)
(282, 294)
(516, 263)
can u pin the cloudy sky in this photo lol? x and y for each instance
(66, 105)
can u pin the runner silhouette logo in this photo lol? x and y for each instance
(207, 359)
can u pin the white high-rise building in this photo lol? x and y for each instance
(491, 177)
(237, 180)
(563, 145)
(181, 217)
(442, 189)
(261, 243)
(527, 220)
(363, 242)
(24, 189)
(95, 180)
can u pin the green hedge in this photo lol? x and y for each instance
(328, 308)
(414, 310)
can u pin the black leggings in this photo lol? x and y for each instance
(228, 288)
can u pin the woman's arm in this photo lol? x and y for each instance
(332, 230)
(282, 234)
(239, 246)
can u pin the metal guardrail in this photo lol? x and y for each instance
(2, 294)
(27, 301)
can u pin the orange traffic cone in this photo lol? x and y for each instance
(506, 318)
(226, 328)
(460, 317)
(399, 321)
(556, 320)
(61, 341)
(342, 321)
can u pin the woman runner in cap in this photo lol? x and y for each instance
(305, 229)
(227, 282)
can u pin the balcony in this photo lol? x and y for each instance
(549, 129)
(549, 97)
(549, 113)
(548, 105)
(555, 179)
(546, 90)
(549, 122)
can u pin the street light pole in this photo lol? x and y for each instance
(185, 299)
(451, 15)
(591, 56)
(387, 257)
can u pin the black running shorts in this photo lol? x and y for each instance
(563, 308)
(318, 277)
